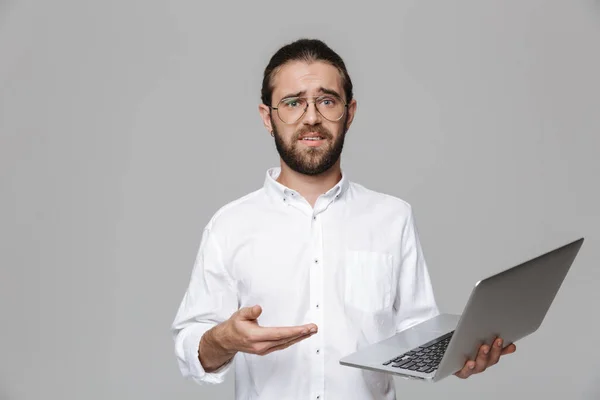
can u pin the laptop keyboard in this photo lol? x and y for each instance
(425, 358)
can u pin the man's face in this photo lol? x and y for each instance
(301, 154)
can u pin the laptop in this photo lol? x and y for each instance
(511, 304)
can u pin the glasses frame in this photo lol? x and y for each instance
(308, 103)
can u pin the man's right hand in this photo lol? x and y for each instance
(241, 332)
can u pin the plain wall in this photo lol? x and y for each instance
(124, 125)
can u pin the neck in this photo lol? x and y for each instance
(310, 187)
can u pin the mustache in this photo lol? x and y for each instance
(314, 129)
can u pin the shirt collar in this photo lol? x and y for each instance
(277, 190)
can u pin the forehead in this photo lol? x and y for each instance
(298, 76)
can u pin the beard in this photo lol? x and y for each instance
(310, 160)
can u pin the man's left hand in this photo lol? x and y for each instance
(486, 357)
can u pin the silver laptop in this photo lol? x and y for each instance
(511, 304)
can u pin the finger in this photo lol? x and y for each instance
(262, 346)
(263, 334)
(250, 313)
(495, 352)
(288, 344)
(511, 348)
(483, 357)
(467, 370)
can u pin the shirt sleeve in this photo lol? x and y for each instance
(415, 301)
(210, 299)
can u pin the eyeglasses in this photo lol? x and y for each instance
(291, 109)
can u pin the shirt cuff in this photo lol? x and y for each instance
(196, 371)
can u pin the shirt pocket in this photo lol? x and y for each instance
(368, 280)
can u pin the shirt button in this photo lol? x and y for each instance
(316, 260)
(317, 306)
(318, 397)
(315, 218)
(318, 351)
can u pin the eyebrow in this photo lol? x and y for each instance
(321, 89)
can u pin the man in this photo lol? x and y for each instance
(292, 277)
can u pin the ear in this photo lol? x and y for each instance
(265, 114)
(351, 112)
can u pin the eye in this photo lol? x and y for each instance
(292, 102)
(328, 101)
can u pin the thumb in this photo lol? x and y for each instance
(251, 313)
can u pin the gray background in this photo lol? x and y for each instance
(126, 124)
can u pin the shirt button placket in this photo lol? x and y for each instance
(317, 272)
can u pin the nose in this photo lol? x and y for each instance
(311, 116)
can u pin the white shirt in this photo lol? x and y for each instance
(353, 265)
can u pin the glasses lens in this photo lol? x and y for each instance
(331, 107)
(291, 109)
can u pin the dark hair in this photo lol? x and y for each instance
(307, 50)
